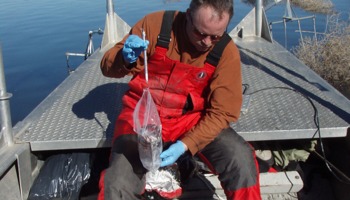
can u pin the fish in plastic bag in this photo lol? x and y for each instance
(148, 127)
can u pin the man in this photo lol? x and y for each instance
(195, 80)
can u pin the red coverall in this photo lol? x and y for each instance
(179, 91)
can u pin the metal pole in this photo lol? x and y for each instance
(285, 33)
(315, 34)
(258, 17)
(288, 11)
(6, 134)
(110, 7)
(300, 32)
(111, 25)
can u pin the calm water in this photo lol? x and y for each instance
(35, 34)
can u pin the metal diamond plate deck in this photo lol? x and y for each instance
(81, 112)
(277, 112)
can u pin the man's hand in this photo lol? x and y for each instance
(133, 47)
(171, 155)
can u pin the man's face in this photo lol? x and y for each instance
(205, 27)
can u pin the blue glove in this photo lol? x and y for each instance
(133, 47)
(170, 155)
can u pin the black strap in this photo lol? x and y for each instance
(164, 36)
(164, 39)
(215, 54)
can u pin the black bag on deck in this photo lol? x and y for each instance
(61, 177)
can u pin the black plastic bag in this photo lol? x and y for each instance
(61, 177)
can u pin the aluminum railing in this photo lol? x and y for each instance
(6, 134)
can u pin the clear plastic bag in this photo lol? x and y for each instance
(148, 127)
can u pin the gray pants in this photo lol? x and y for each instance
(229, 156)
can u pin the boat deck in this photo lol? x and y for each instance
(81, 112)
(283, 100)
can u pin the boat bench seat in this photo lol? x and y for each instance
(276, 183)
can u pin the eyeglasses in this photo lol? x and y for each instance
(200, 35)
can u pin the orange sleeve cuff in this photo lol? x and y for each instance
(191, 145)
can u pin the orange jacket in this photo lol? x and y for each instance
(224, 98)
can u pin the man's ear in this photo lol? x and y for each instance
(188, 13)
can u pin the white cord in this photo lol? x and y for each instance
(145, 56)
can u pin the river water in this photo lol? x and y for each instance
(36, 34)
